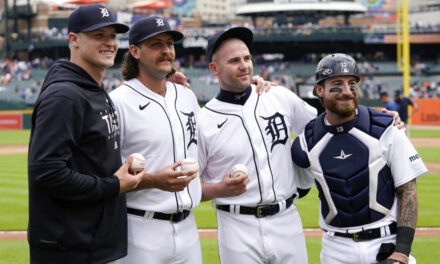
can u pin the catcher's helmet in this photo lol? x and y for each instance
(337, 64)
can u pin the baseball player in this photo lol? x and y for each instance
(77, 206)
(261, 225)
(158, 120)
(365, 170)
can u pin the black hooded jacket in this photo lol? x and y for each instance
(76, 214)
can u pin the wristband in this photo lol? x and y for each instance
(404, 239)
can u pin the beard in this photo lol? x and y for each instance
(342, 110)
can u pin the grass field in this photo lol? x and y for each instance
(13, 204)
(424, 249)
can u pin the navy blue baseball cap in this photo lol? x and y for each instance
(215, 40)
(151, 26)
(87, 18)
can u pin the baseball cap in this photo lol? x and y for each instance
(151, 26)
(215, 40)
(87, 18)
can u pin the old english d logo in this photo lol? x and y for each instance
(276, 127)
(191, 127)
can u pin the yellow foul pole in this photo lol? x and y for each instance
(405, 48)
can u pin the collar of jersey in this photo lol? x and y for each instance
(341, 128)
(234, 98)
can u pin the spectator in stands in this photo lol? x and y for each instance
(387, 102)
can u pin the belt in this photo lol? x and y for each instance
(174, 218)
(259, 211)
(368, 234)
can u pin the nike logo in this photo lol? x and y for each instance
(239, 96)
(142, 107)
(342, 156)
(221, 124)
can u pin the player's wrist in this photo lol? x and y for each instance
(398, 257)
(404, 239)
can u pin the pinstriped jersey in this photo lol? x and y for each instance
(256, 134)
(357, 165)
(164, 131)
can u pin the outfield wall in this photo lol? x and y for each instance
(15, 119)
(428, 114)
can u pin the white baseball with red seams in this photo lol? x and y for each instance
(190, 164)
(138, 162)
(239, 170)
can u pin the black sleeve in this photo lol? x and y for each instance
(56, 130)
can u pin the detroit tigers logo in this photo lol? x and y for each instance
(159, 22)
(276, 127)
(191, 127)
(104, 12)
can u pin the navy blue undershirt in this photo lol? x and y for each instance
(234, 98)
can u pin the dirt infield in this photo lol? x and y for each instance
(212, 233)
(13, 149)
(426, 142)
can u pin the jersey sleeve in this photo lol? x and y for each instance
(403, 159)
(303, 113)
(303, 174)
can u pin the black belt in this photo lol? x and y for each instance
(174, 218)
(367, 234)
(258, 211)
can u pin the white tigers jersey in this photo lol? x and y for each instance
(256, 134)
(164, 131)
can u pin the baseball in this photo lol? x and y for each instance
(190, 164)
(238, 170)
(138, 163)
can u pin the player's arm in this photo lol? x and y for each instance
(406, 166)
(167, 179)
(56, 130)
(303, 178)
(407, 210)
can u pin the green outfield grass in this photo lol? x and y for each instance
(14, 137)
(429, 154)
(13, 192)
(424, 133)
(424, 249)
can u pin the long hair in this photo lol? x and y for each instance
(130, 67)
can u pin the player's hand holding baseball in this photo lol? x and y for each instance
(227, 187)
(128, 181)
(168, 179)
